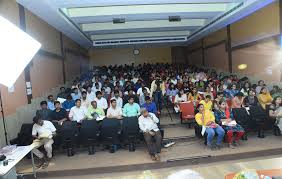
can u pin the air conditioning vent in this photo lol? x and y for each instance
(174, 19)
(99, 43)
(119, 20)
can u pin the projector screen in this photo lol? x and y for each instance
(17, 49)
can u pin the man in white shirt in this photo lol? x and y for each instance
(84, 102)
(148, 125)
(140, 90)
(118, 99)
(78, 112)
(114, 111)
(90, 95)
(43, 132)
(101, 102)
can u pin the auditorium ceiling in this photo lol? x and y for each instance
(111, 23)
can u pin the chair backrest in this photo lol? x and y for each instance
(187, 108)
(241, 115)
(257, 113)
(130, 127)
(89, 129)
(110, 128)
(69, 130)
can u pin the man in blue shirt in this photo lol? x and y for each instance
(150, 105)
(50, 103)
(69, 103)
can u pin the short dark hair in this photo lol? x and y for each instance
(98, 92)
(56, 102)
(147, 98)
(43, 102)
(77, 100)
(36, 118)
(83, 92)
(50, 96)
(208, 97)
(113, 100)
(130, 97)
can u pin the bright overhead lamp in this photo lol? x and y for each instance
(242, 66)
(17, 50)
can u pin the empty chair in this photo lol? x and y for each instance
(69, 133)
(110, 133)
(130, 131)
(89, 132)
(187, 112)
(258, 114)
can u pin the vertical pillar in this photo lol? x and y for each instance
(64, 56)
(203, 53)
(229, 49)
(27, 68)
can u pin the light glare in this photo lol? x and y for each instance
(17, 50)
(242, 66)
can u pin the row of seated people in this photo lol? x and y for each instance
(44, 130)
(159, 82)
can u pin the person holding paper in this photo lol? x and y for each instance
(225, 117)
(43, 132)
(206, 119)
(95, 112)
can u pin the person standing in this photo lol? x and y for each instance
(157, 91)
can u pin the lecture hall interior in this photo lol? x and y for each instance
(141, 89)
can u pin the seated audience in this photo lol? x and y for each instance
(59, 115)
(94, 112)
(43, 132)
(206, 119)
(218, 98)
(101, 101)
(194, 96)
(260, 86)
(148, 124)
(130, 94)
(142, 96)
(245, 89)
(275, 111)
(131, 108)
(230, 93)
(114, 111)
(251, 99)
(90, 95)
(150, 105)
(118, 99)
(62, 93)
(225, 117)
(179, 98)
(237, 101)
(84, 101)
(207, 103)
(75, 95)
(276, 91)
(78, 113)
(171, 91)
(44, 112)
(50, 102)
(208, 92)
(69, 103)
(264, 97)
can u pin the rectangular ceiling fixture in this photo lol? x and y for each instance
(119, 20)
(174, 19)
